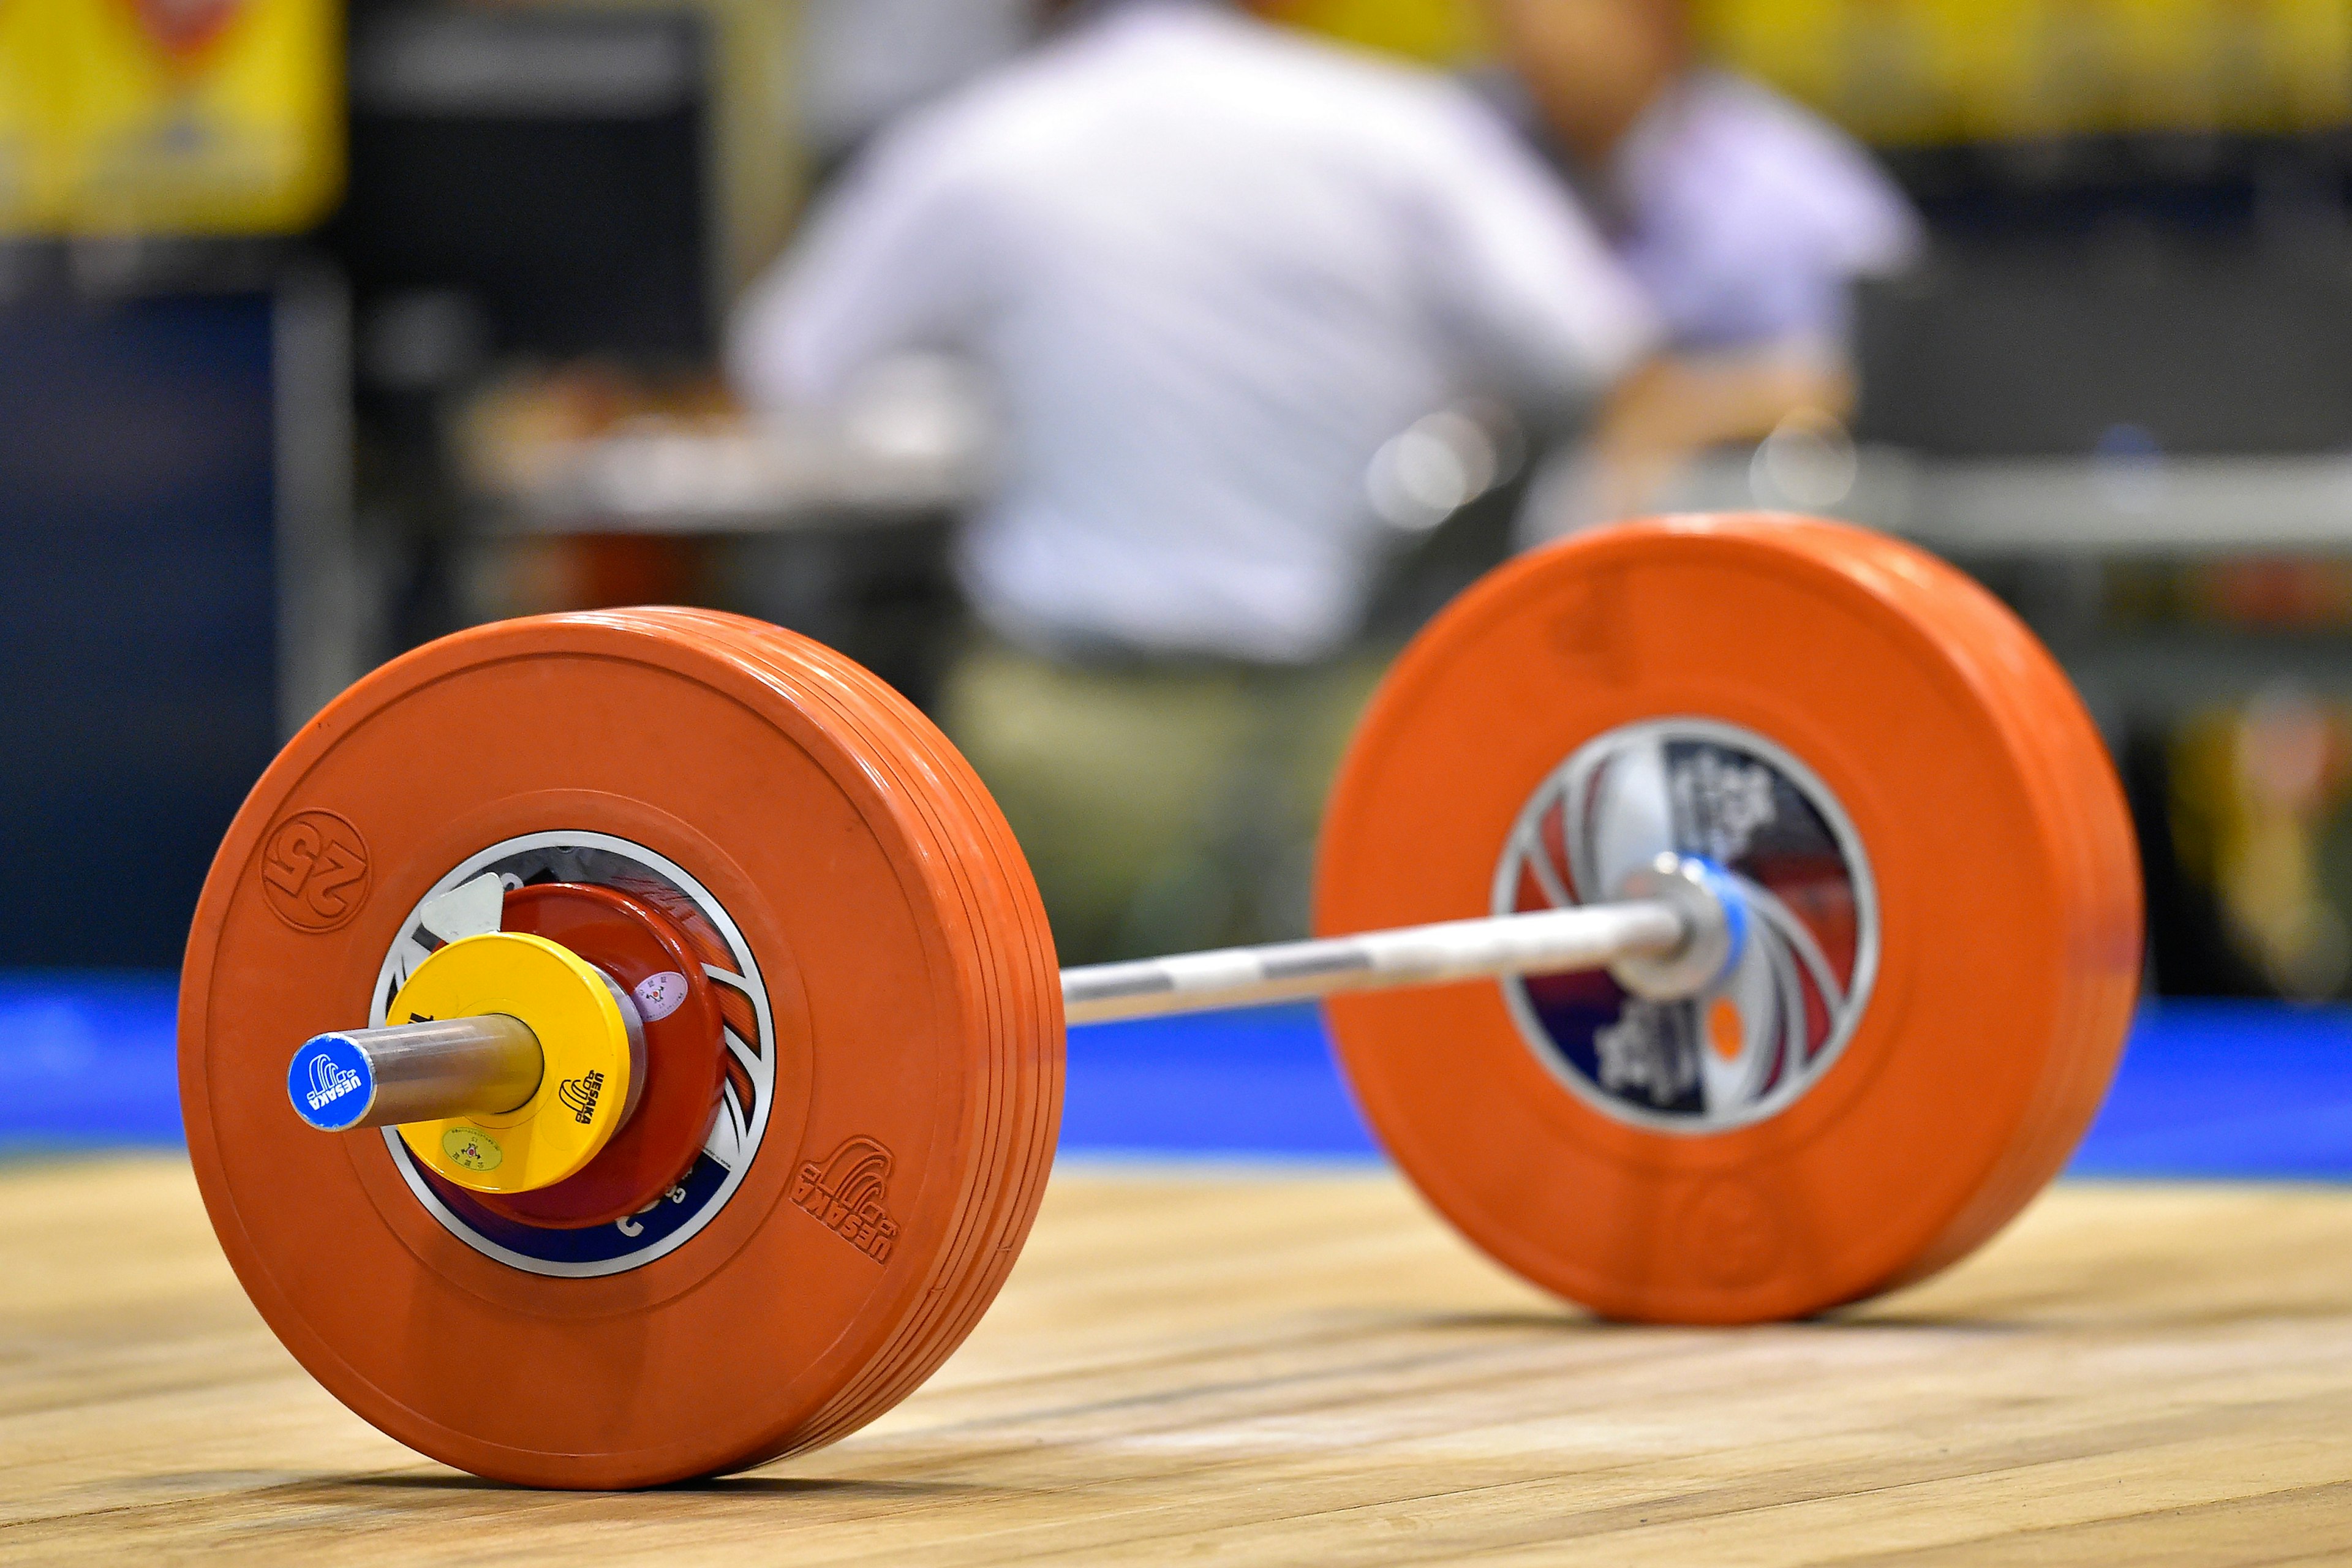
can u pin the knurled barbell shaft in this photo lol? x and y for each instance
(1547, 941)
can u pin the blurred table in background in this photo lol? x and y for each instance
(585, 450)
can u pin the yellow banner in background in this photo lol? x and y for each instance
(1435, 32)
(1898, 71)
(20, 116)
(1952, 71)
(169, 116)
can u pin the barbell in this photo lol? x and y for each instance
(1721, 920)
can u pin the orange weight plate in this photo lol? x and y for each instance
(1944, 915)
(1012, 921)
(890, 1056)
(1017, 961)
(2048, 711)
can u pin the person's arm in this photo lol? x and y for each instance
(1538, 298)
(891, 260)
(1672, 409)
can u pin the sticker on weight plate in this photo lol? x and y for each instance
(473, 1148)
(659, 995)
(1754, 1046)
(748, 1028)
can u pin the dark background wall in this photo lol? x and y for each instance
(136, 546)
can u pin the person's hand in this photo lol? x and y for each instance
(1670, 410)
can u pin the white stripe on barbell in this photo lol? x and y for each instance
(1545, 941)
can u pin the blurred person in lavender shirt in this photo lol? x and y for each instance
(1746, 220)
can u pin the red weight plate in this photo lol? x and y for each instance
(1945, 947)
(867, 1165)
(685, 1058)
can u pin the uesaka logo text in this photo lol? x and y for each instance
(580, 1094)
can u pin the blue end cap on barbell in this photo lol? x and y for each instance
(331, 1082)
(1723, 888)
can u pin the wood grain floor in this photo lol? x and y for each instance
(1265, 1368)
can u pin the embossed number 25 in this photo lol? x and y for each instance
(306, 865)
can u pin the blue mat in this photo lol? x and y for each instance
(2207, 1090)
(87, 1060)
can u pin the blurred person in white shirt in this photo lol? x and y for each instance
(1210, 268)
(1747, 220)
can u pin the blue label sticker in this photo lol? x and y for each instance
(592, 1244)
(330, 1083)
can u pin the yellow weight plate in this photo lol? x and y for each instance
(584, 1090)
